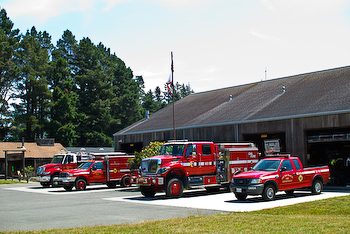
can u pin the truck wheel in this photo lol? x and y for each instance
(317, 186)
(174, 188)
(68, 188)
(147, 191)
(80, 184)
(126, 181)
(241, 196)
(269, 192)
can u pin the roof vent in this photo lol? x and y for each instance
(147, 114)
(283, 89)
(230, 97)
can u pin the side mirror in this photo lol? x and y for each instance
(283, 169)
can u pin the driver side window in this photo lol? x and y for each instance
(99, 166)
(189, 150)
(288, 165)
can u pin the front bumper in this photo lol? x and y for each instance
(256, 189)
(149, 181)
(65, 181)
(42, 179)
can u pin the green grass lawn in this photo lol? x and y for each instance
(324, 216)
(15, 181)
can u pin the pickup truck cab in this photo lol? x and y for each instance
(281, 173)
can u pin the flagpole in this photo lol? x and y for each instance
(172, 82)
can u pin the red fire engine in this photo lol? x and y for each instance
(183, 164)
(106, 168)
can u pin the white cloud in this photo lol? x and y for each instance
(112, 3)
(183, 3)
(43, 10)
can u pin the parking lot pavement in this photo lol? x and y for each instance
(37, 188)
(200, 199)
(196, 199)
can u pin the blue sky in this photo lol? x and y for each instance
(216, 43)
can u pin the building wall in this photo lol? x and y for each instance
(294, 130)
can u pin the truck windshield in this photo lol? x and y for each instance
(173, 149)
(150, 165)
(86, 165)
(267, 165)
(57, 159)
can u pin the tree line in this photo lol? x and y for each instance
(76, 92)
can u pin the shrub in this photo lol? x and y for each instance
(151, 150)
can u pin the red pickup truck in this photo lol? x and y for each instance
(279, 173)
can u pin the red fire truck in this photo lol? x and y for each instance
(60, 162)
(183, 164)
(106, 168)
(278, 173)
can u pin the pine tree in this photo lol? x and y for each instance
(9, 39)
(34, 53)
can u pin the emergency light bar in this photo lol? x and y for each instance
(278, 155)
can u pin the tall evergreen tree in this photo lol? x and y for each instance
(9, 39)
(34, 53)
(64, 118)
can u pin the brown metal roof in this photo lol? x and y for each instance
(32, 150)
(315, 93)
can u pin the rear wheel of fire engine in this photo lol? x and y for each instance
(174, 188)
(317, 186)
(269, 192)
(80, 184)
(68, 188)
(126, 181)
(147, 191)
(241, 196)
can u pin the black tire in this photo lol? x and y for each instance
(80, 184)
(147, 191)
(317, 186)
(68, 188)
(241, 196)
(289, 192)
(269, 192)
(125, 182)
(174, 188)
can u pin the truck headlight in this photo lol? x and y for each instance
(162, 170)
(256, 181)
(46, 173)
(70, 175)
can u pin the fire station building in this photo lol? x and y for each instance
(306, 115)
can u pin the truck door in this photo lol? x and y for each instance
(299, 172)
(69, 163)
(207, 159)
(98, 173)
(190, 160)
(288, 177)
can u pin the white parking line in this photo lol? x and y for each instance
(227, 201)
